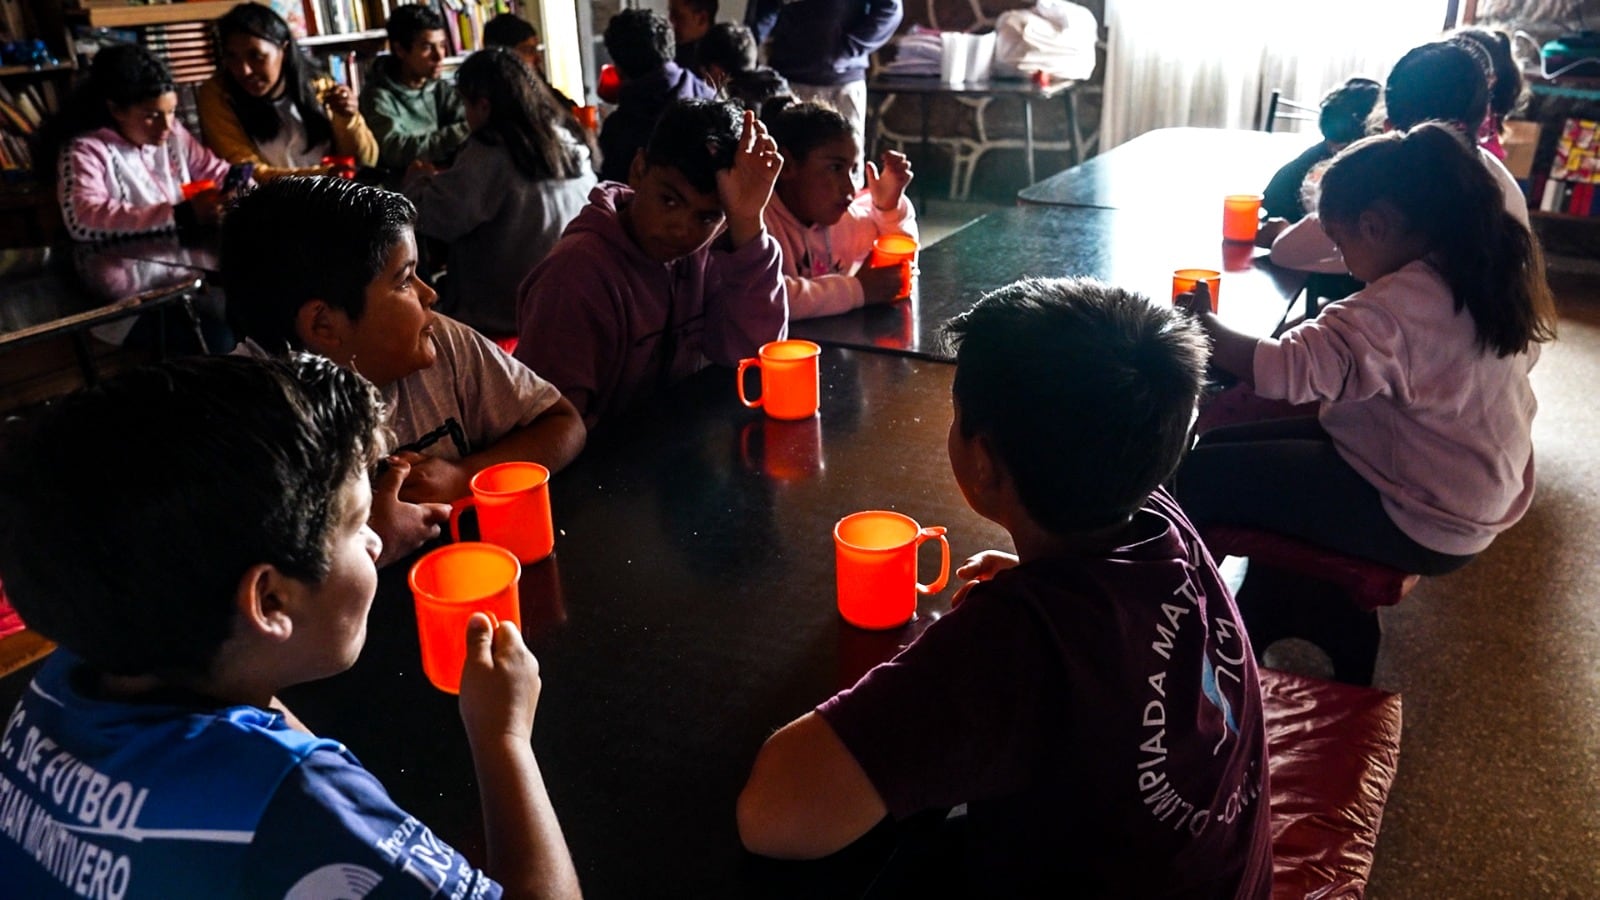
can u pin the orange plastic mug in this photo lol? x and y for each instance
(876, 559)
(194, 189)
(892, 249)
(1184, 281)
(450, 584)
(513, 503)
(1241, 215)
(789, 383)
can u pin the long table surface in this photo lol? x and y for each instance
(1172, 168)
(200, 251)
(688, 611)
(46, 291)
(1134, 249)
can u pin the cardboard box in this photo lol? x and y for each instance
(1520, 140)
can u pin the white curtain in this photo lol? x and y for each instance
(1213, 62)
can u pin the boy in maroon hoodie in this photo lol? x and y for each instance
(658, 276)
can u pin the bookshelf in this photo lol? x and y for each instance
(28, 93)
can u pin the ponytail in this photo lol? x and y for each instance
(523, 114)
(1440, 188)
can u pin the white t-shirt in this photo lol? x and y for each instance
(288, 149)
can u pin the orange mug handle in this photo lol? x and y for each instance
(936, 531)
(744, 365)
(456, 509)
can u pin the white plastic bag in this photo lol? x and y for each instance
(1054, 37)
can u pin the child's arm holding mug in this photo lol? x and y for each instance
(1232, 351)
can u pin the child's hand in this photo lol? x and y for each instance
(745, 189)
(1269, 230)
(340, 100)
(402, 526)
(889, 186)
(881, 284)
(980, 568)
(207, 206)
(1197, 301)
(433, 478)
(499, 682)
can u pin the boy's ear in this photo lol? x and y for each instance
(263, 601)
(987, 467)
(321, 328)
(636, 168)
(1377, 223)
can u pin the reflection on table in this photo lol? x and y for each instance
(688, 612)
(1173, 168)
(1133, 249)
(201, 250)
(63, 290)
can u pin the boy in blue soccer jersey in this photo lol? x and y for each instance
(188, 581)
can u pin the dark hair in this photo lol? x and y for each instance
(508, 30)
(1510, 88)
(1085, 392)
(1432, 176)
(729, 46)
(133, 566)
(408, 21)
(121, 75)
(1440, 81)
(800, 126)
(298, 239)
(640, 42)
(1346, 108)
(523, 116)
(259, 115)
(709, 7)
(698, 138)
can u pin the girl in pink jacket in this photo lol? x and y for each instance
(1421, 450)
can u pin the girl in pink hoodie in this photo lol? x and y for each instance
(823, 223)
(1421, 450)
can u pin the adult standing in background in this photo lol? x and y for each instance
(413, 112)
(822, 46)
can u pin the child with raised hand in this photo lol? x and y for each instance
(124, 156)
(824, 224)
(658, 277)
(343, 283)
(1421, 452)
(237, 564)
(1093, 701)
(519, 179)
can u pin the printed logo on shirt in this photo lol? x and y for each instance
(450, 429)
(420, 854)
(1222, 684)
(338, 881)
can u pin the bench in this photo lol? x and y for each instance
(1332, 753)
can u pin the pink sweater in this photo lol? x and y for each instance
(1439, 427)
(609, 326)
(820, 262)
(109, 187)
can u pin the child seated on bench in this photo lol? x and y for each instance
(1093, 699)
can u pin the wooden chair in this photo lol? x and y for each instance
(1280, 108)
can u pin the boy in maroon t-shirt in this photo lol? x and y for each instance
(1093, 699)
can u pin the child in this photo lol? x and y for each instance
(1436, 81)
(1092, 700)
(727, 62)
(1421, 452)
(690, 20)
(521, 177)
(636, 295)
(826, 228)
(342, 282)
(126, 157)
(413, 112)
(150, 752)
(640, 44)
(1341, 119)
(517, 34)
(266, 106)
(1507, 87)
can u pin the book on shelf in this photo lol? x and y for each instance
(1570, 185)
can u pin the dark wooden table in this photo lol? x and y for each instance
(1135, 249)
(62, 291)
(1172, 169)
(689, 610)
(200, 251)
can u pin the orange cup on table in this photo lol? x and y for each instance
(892, 249)
(1184, 281)
(1241, 216)
(790, 387)
(449, 585)
(876, 560)
(513, 504)
(194, 189)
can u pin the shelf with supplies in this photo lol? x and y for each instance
(154, 14)
(354, 37)
(41, 71)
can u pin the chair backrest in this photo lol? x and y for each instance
(1281, 108)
